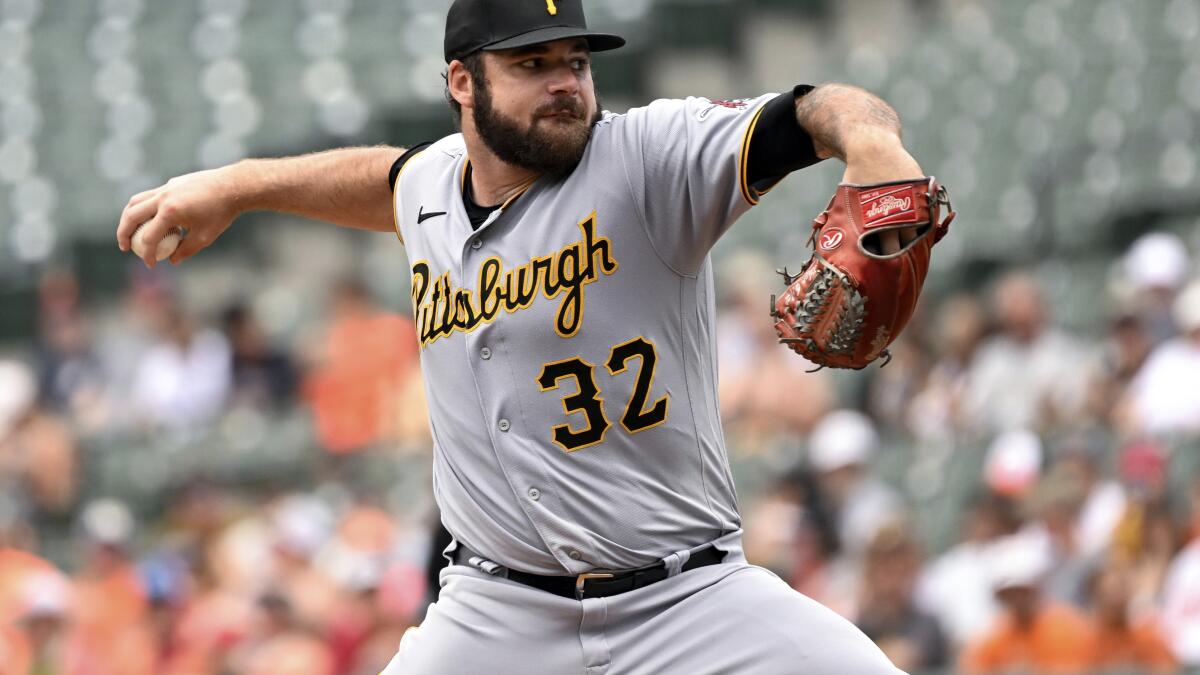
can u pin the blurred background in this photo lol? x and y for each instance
(225, 467)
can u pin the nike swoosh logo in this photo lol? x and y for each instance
(422, 216)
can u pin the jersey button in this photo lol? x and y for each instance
(476, 244)
(535, 494)
(485, 353)
(503, 425)
(574, 555)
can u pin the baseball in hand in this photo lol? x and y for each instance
(166, 246)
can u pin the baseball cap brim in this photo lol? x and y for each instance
(597, 42)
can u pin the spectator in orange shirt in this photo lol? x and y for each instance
(1120, 643)
(361, 368)
(34, 597)
(108, 635)
(1033, 634)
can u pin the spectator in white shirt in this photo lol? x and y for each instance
(1164, 398)
(183, 380)
(1030, 374)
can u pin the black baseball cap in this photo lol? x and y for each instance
(472, 25)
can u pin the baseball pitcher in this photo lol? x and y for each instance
(563, 295)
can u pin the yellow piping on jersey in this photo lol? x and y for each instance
(463, 185)
(395, 215)
(523, 190)
(748, 193)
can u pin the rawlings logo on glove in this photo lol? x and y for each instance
(851, 300)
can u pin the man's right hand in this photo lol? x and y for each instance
(204, 203)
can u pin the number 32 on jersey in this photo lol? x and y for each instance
(638, 415)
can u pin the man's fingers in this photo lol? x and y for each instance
(152, 232)
(131, 218)
(889, 242)
(190, 246)
(143, 196)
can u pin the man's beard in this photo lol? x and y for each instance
(552, 153)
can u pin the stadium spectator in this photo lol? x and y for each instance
(1014, 463)
(1030, 374)
(1053, 508)
(182, 381)
(840, 448)
(1163, 396)
(359, 372)
(1156, 267)
(71, 378)
(767, 398)
(790, 532)
(1081, 458)
(956, 587)
(1124, 352)
(1033, 633)
(1146, 535)
(887, 614)
(1121, 643)
(280, 643)
(1181, 605)
(38, 454)
(263, 375)
(936, 412)
(108, 615)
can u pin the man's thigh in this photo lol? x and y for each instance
(748, 622)
(493, 626)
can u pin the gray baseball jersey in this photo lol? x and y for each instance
(567, 345)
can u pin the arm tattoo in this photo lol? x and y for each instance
(831, 112)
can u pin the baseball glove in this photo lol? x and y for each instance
(851, 300)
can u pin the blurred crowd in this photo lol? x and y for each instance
(1073, 542)
(1007, 495)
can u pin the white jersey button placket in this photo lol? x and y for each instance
(503, 424)
(485, 353)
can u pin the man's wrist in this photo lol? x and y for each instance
(246, 184)
(869, 144)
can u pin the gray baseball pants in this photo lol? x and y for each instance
(729, 618)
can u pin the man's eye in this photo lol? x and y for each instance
(579, 64)
(531, 63)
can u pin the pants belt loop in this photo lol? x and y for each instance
(675, 562)
(487, 566)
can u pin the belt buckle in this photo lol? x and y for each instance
(581, 579)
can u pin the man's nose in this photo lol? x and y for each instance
(564, 80)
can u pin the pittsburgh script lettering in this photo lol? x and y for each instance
(441, 309)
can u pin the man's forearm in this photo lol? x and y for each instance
(346, 187)
(841, 118)
(859, 128)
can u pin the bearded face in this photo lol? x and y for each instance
(550, 139)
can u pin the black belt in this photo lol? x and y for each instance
(599, 583)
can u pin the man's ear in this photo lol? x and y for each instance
(459, 82)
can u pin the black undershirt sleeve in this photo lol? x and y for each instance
(399, 163)
(779, 145)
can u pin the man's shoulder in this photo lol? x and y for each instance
(438, 156)
(449, 147)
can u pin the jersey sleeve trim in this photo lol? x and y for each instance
(398, 165)
(748, 192)
(402, 163)
(775, 146)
